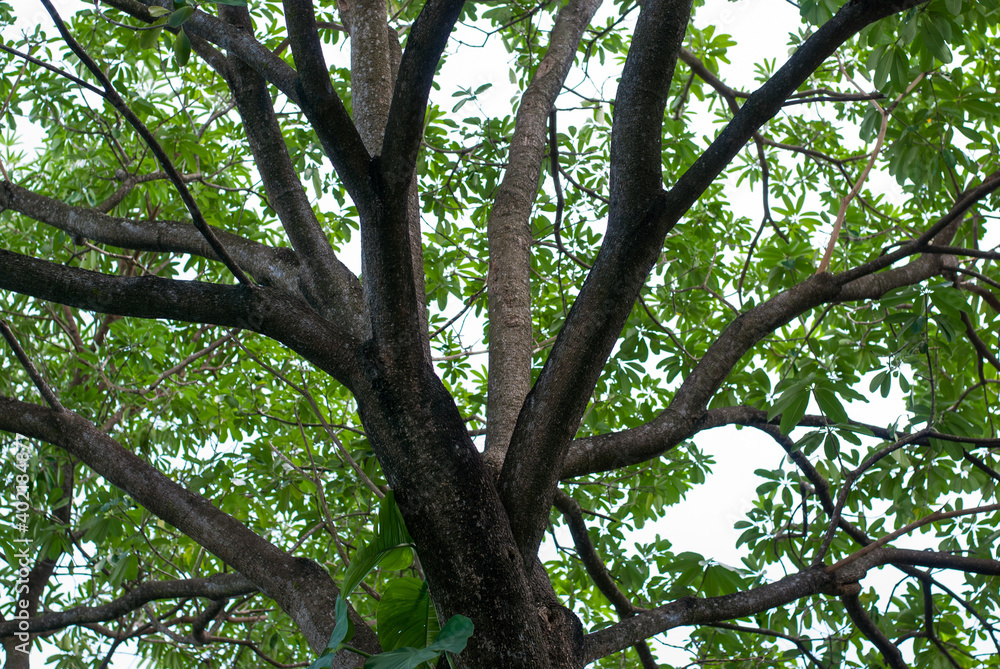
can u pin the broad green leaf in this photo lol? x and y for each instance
(830, 405)
(790, 395)
(391, 536)
(453, 638)
(182, 49)
(405, 615)
(147, 38)
(177, 18)
(796, 409)
(900, 69)
(454, 635)
(343, 631)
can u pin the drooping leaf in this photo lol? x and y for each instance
(182, 48)
(391, 537)
(178, 17)
(343, 631)
(405, 615)
(453, 638)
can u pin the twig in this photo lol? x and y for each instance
(906, 529)
(468, 305)
(29, 367)
(52, 68)
(112, 96)
(842, 214)
(554, 169)
(304, 392)
(6, 105)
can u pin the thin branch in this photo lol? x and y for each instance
(845, 202)
(29, 367)
(331, 285)
(270, 266)
(52, 68)
(265, 310)
(906, 529)
(798, 641)
(213, 587)
(283, 576)
(468, 305)
(112, 96)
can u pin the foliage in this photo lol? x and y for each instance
(298, 454)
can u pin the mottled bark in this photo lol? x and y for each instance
(509, 233)
(375, 57)
(327, 283)
(556, 404)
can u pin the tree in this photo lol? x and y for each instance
(221, 430)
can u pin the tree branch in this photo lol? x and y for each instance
(637, 226)
(323, 107)
(842, 582)
(270, 266)
(281, 576)
(694, 610)
(392, 277)
(509, 233)
(595, 567)
(112, 96)
(29, 367)
(212, 30)
(404, 125)
(213, 587)
(681, 418)
(328, 282)
(864, 623)
(555, 405)
(597, 570)
(264, 310)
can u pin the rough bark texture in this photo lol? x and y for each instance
(556, 403)
(509, 234)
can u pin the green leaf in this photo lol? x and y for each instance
(405, 616)
(831, 446)
(231, 3)
(147, 38)
(178, 17)
(791, 416)
(454, 635)
(182, 49)
(158, 12)
(830, 405)
(877, 380)
(935, 35)
(900, 69)
(791, 391)
(343, 631)
(881, 62)
(391, 535)
(453, 639)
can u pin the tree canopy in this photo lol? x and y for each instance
(225, 447)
